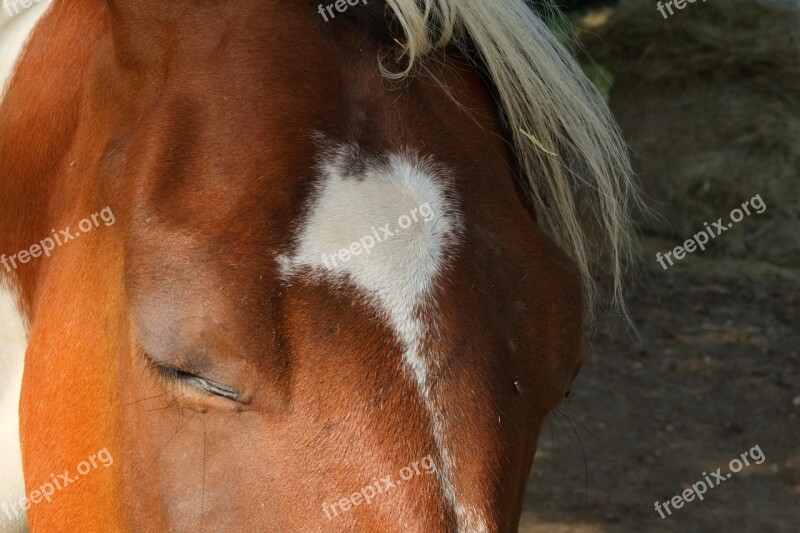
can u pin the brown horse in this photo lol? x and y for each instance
(288, 266)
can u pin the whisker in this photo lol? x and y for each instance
(563, 409)
(203, 495)
(180, 428)
(583, 427)
(170, 404)
(558, 417)
(144, 399)
(553, 438)
(585, 461)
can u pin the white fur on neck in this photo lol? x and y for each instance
(13, 342)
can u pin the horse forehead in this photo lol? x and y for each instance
(388, 224)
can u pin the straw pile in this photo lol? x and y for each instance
(709, 101)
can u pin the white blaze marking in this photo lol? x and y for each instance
(355, 196)
(14, 33)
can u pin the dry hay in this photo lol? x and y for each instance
(709, 101)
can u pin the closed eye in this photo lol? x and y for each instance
(197, 382)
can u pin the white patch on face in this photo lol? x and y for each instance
(15, 28)
(344, 240)
(353, 230)
(13, 342)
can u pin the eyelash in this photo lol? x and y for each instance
(192, 380)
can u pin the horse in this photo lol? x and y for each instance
(269, 270)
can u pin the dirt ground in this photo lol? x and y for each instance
(716, 372)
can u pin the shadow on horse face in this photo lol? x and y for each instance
(306, 380)
(241, 380)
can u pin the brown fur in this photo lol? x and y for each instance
(194, 123)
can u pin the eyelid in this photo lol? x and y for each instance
(198, 382)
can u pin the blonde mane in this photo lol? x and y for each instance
(567, 144)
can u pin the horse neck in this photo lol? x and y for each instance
(39, 114)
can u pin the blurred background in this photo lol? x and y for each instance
(708, 99)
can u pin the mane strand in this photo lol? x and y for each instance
(567, 144)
